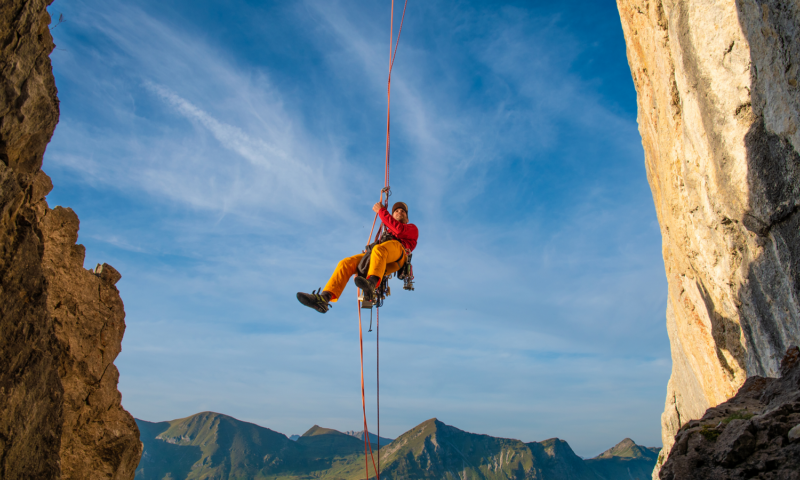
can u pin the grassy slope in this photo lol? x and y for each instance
(372, 437)
(161, 459)
(321, 442)
(625, 460)
(556, 460)
(213, 446)
(433, 450)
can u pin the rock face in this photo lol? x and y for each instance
(719, 109)
(748, 436)
(61, 325)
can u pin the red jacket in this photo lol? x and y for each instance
(406, 233)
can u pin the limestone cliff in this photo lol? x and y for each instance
(61, 325)
(719, 109)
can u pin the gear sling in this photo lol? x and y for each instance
(402, 266)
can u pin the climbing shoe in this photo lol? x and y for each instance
(367, 286)
(318, 300)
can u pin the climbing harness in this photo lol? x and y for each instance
(382, 290)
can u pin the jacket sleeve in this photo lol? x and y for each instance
(399, 230)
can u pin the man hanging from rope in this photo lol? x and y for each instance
(387, 257)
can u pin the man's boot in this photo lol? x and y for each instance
(318, 300)
(367, 285)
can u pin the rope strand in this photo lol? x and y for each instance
(392, 55)
(378, 381)
(367, 443)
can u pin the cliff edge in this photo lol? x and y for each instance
(61, 325)
(719, 110)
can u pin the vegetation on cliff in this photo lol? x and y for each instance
(755, 434)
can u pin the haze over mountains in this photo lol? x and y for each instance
(212, 445)
(359, 434)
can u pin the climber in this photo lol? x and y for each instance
(387, 257)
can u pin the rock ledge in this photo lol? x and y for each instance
(749, 436)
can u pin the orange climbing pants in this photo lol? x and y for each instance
(386, 259)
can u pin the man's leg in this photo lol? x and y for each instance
(384, 254)
(341, 275)
(394, 266)
(318, 300)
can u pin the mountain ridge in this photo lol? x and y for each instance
(628, 448)
(213, 445)
(359, 434)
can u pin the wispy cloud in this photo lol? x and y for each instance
(221, 173)
(234, 139)
(530, 114)
(262, 160)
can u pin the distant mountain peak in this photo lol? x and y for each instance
(432, 422)
(557, 447)
(317, 430)
(626, 443)
(627, 449)
(373, 438)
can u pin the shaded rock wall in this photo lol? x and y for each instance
(756, 434)
(61, 325)
(719, 113)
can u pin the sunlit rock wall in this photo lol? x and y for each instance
(719, 113)
(61, 325)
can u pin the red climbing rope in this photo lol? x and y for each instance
(392, 54)
(378, 382)
(367, 443)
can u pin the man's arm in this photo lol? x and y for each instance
(399, 230)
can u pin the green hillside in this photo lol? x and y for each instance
(372, 437)
(160, 459)
(212, 446)
(628, 449)
(625, 460)
(433, 450)
(322, 443)
(554, 458)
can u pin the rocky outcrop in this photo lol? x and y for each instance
(749, 436)
(719, 110)
(61, 325)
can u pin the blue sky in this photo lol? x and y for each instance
(225, 155)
